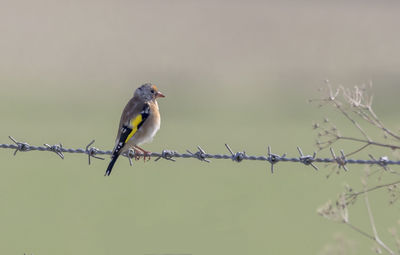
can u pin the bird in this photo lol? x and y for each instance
(140, 121)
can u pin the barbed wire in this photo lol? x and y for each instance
(200, 154)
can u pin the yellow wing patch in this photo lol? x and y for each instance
(134, 123)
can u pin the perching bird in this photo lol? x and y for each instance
(139, 122)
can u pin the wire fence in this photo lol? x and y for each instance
(200, 154)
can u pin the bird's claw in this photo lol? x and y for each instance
(140, 152)
(137, 154)
(147, 154)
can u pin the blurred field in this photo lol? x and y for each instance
(233, 73)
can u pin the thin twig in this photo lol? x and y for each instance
(358, 150)
(371, 219)
(362, 232)
(355, 123)
(391, 146)
(381, 125)
(354, 195)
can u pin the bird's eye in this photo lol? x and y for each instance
(152, 91)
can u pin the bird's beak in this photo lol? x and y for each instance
(159, 94)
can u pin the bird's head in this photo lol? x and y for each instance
(148, 92)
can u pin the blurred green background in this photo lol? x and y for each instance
(234, 72)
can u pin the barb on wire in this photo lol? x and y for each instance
(341, 161)
(166, 154)
(307, 159)
(92, 151)
(130, 154)
(200, 154)
(238, 156)
(20, 146)
(57, 149)
(274, 158)
(382, 161)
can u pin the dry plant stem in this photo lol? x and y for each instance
(369, 142)
(362, 232)
(358, 150)
(376, 237)
(336, 137)
(354, 195)
(361, 105)
(374, 120)
(355, 123)
(380, 124)
(371, 117)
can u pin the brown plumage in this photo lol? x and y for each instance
(140, 121)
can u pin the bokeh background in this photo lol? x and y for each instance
(237, 72)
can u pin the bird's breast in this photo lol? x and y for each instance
(149, 128)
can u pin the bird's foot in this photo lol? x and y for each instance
(137, 154)
(146, 154)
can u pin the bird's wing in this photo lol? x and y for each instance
(131, 121)
(137, 121)
(131, 110)
(133, 117)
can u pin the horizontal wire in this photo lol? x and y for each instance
(201, 155)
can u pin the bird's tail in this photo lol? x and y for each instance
(111, 165)
(125, 131)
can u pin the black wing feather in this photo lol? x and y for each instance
(125, 131)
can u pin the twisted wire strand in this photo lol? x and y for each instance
(201, 155)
